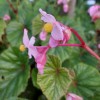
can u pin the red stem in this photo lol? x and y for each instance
(91, 52)
(12, 7)
(78, 36)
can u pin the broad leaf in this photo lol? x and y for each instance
(15, 33)
(14, 73)
(15, 98)
(86, 81)
(55, 81)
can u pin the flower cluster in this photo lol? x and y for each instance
(59, 33)
(94, 12)
(65, 4)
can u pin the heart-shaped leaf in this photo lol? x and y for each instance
(14, 73)
(15, 33)
(55, 81)
(86, 81)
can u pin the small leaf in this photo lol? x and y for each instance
(61, 52)
(55, 81)
(14, 73)
(15, 33)
(34, 77)
(37, 25)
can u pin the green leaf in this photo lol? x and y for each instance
(15, 33)
(14, 72)
(61, 52)
(40, 4)
(15, 98)
(34, 77)
(2, 27)
(86, 80)
(55, 81)
(37, 25)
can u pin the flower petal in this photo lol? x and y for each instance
(40, 68)
(57, 33)
(72, 96)
(47, 17)
(53, 43)
(32, 41)
(25, 38)
(43, 35)
(93, 9)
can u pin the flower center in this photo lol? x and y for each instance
(22, 48)
(48, 27)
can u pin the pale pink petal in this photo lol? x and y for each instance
(65, 8)
(98, 45)
(25, 38)
(32, 41)
(47, 17)
(6, 17)
(93, 9)
(40, 68)
(53, 43)
(71, 96)
(59, 2)
(67, 34)
(32, 51)
(57, 33)
(43, 35)
(96, 16)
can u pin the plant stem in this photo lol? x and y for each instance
(12, 7)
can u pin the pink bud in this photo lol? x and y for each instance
(6, 17)
(59, 2)
(65, 8)
(98, 45)
(71, 96)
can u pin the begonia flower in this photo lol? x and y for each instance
(94, 12)
(65, 4)
(39, 53)
(71, 96)
(6, 17)
(57, 30)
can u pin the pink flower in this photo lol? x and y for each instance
(6, 17)
(98, 45)
(39, 53)
(94, 12)
(65, 4)
(57, 30)
(65, 8)
(71, 96)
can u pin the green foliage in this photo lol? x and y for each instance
(86, 81)
(14, 73)
(37, 25)
(15, 33)
(55, 81)
(15, 98)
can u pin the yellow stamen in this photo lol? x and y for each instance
(48, 27)
(22, 48)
